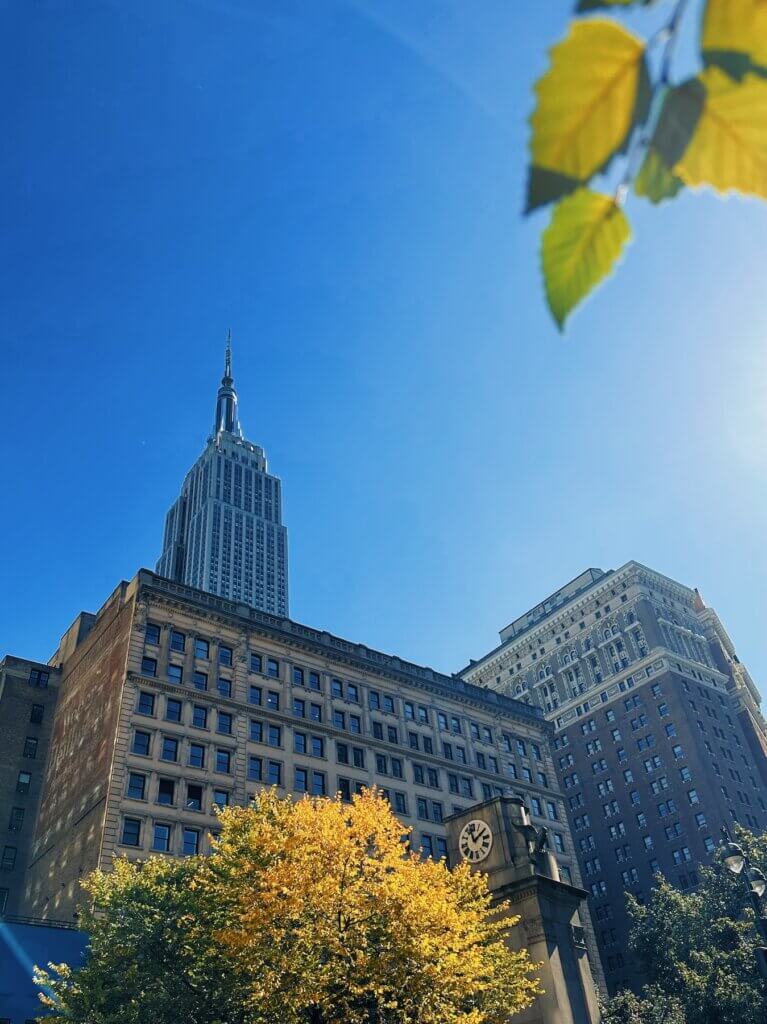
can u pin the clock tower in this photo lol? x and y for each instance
(497, 837)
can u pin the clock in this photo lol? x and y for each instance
(475, 841)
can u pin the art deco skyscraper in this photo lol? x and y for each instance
(224, 532)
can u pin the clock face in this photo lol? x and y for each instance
(475, 841)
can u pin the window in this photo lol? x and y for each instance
(255, 768)
(175, 673)
(200, 680)
(314, 681)
(177, 640)
(224, 655)
(199, 717)
(300, 742)
(161, 838)
(301, 780)
(166, 792)
(221, 797)
(400, 803)
(201, 648)
(30, 747)
(224, 686)
(191, 845)
(169, 749)
(274, 735)
(136, 786)
(358, 757)
(273, 700)
(273, 668)
(388, 704)
(224, 723)
(377, 730)
(315, 712)
(152, 633)
(392, 734)
(223, 760)
(336, 688)
(256, 662)
(16, 819)
(551, 811)
(36, 714)
(145, 705)
(131, 832)
(196, 755)
(172, 710)
(274, 773)
(193, 796)
(148, 666)
(141, 743)
(374, 700)
(409, 710)
(318, 746)
(353, 693)
(318, 783)
(298, 676)
(254, 695)
(355, 724)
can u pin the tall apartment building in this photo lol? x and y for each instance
(658, 737)
(173, 701)
(224, 532)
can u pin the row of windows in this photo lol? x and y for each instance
(377, 700)
(200, 717)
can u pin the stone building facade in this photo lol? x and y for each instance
(28, 691)
(173, 701)
(658, 737)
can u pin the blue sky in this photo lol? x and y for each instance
(340, 181)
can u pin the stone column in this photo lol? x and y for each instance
(497, 837)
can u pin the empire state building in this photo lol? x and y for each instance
(224, 532)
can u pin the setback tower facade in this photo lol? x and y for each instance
(224, 533)
(658, 737)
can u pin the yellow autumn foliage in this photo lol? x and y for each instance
(333, 919)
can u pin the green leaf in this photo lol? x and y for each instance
(728, 149)
(734, 36)
(593, 94)
(579, 248)
(655, 180)
(594, 5)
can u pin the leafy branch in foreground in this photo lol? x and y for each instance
(608, 96)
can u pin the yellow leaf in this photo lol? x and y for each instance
(579, 248)
(734, 35)
(594, 92)
(728, 149)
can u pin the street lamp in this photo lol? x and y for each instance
(733, 857)
(737, 862)
(758, 881)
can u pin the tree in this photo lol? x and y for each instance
(308, 912)
(610, 101)
(697, 951)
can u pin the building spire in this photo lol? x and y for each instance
(228, 361)
(226, 400)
